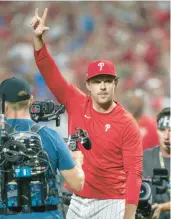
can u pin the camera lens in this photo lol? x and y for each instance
(145, 191)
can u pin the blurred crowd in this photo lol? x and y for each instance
(134, 35)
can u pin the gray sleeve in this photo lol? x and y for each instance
(147, 163)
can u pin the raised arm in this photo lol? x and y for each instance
(62, 90)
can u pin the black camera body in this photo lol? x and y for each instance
(160, 179)
(42, 107)
(43, 111)
(79, 136)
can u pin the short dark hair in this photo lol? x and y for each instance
(164, 112)
(115, 78)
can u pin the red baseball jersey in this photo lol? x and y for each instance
(113, 167)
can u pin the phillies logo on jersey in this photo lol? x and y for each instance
(101, 64)
(107, 126)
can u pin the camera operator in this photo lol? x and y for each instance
(159, 157)
(113, 167)
(18, 98)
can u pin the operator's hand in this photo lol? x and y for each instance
(38, 23)
(78, 157)
(157, 210)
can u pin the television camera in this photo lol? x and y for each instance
(43, 111)
(47, 111)
(79, 136)
(160, 180)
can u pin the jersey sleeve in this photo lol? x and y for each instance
(57, 149)
(132, 161)
(64, 92)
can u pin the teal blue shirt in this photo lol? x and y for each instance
(59, 156)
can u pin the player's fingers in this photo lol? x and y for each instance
(45, 28)
(35, 22)
(44, 16)
(36, 12)
(35, 19)
(32, 20)
(80, 155)
(79, 152)
(81, 158)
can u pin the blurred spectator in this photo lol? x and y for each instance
(136, 105)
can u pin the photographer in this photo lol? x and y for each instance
(113, 167)
(159, 157)
(18, 98)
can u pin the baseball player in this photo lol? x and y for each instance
(113, 167)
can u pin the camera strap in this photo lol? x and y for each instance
(162, 164)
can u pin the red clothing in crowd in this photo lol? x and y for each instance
(113, 167)
(148, 128)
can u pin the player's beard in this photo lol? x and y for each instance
(103, 99)
(106, 105)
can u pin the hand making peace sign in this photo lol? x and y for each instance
(38, 23)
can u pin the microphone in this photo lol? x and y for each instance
(84, 139)
(80, 136)
(86, 142)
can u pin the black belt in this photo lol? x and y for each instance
(19, 210)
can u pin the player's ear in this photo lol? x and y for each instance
(6, 106)
(7, 109)
(88, 85)
(31, 99)
(116, 80)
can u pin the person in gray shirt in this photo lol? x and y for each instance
(159, 157)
